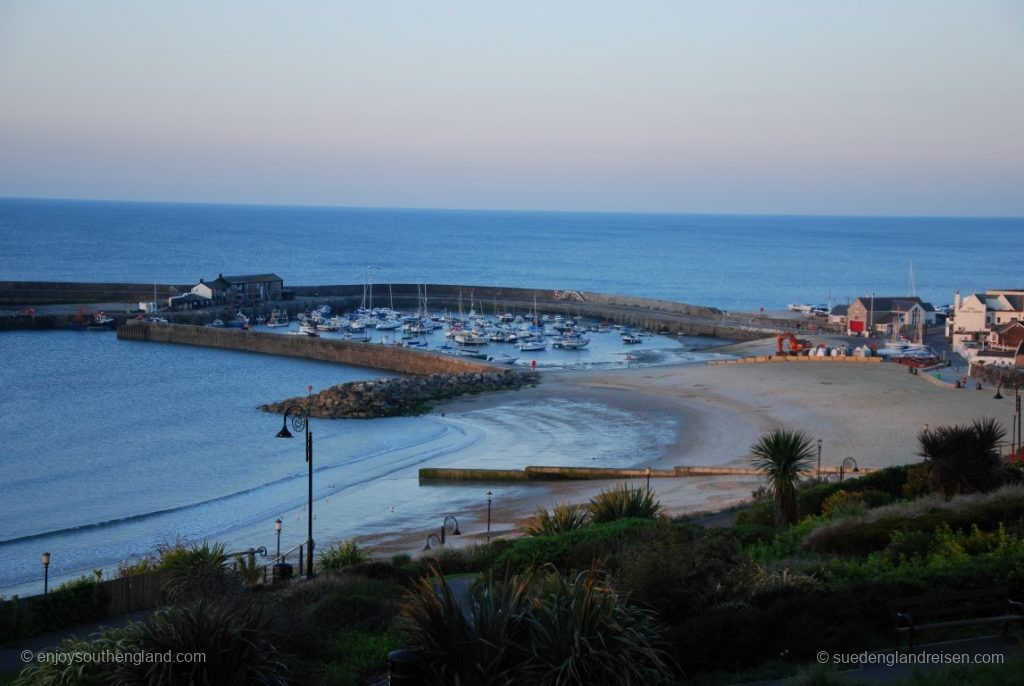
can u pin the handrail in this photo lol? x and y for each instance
(283, 557)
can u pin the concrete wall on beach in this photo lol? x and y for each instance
(375, 356)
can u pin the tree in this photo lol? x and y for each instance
(962, 458)
(783, 457)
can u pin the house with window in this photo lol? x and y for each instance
(256, 287)
(876, 314)
(216, 291)
(980, 320)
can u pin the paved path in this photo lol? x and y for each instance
(11, 653)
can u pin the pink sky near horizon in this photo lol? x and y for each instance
(737, 106)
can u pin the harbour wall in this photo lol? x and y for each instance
(589, 473)
(374, 356)
(661, 316)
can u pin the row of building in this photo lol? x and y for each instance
(243, 289)
(988, 327)
(900, 316)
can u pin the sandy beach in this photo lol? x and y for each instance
(872, 413)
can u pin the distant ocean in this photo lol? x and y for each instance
(734, 262)
(111, 447)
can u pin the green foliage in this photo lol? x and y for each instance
(306, 616)
(251, 572)
(873, 531)
(564, 517)
(963, 458)
(783, 457)
(758, 513)
(890, 481)
(164, 556)
(199, 570)
(343, 555)
(533, 628)
(354, 656)
(598, 544)
(236, 650)
(83, 671)
(784, 544)
(622, 502)
(401, 560)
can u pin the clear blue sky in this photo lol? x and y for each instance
(823, 106)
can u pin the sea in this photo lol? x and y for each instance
(111, 449)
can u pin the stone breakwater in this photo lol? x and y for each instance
(403, 395)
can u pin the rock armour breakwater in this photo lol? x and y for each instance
(401, 396)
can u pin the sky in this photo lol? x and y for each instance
(738, 106)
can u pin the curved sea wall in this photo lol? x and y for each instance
(375, 356)
(401, 396)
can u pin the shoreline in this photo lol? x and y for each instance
(870, 412)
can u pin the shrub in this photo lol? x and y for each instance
(759, 513)
(235, 648)
(199, 570)
(87, 669)
(533, 628)
(354, 656)
(580, 549)
(890, 481)
(963, 458)
(73, 602)
(564, 517)
(343, 555)
(872, 531)
(623, 502)
(306, 615)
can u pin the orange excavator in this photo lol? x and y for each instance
(797, 346)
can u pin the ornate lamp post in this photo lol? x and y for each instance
(450, 525)
(432, 538)
(489, 494)
(847, 462)
(46, 573)
(299, 417)
(648, 478)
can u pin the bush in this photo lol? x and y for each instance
(760, 513)
(355, 656)
(580, 549)
(890, 481)
(200, 570)
(535, 628)
(342, 555)
(872, 531)
(623, 502)
(70, 604)
(307, 615)
(235, 648)
(87, 668)
(564, 517)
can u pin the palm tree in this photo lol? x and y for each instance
(783, 457)
(962, 458)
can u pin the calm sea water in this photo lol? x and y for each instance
(111, 447)
(731, 262)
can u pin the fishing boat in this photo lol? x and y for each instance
(532, 344)
(100, 322)
(277, 319)
(239, 322)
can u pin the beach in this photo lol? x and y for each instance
(871, 412)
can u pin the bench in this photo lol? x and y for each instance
(948, 610)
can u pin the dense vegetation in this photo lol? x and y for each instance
(613, 592)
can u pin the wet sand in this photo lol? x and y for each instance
(872, 413)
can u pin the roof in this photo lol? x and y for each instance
(840, 310)
(252, 278)
(190, 297)
(219, 282)
(1009, 325)
(995, 353)
(894, 303)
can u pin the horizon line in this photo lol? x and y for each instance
(223, 203)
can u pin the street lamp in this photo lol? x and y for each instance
(819, 458)
(847, 462)
(46, 573)
(489, 494)
(648, 478)
(435, 538)
(998, 395)
(277, 528)
(300, 422)
(450, 525)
